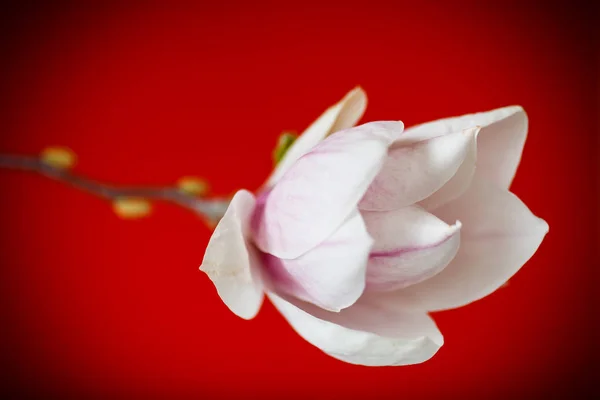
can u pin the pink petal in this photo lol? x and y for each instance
(416, 168)
(368, 333)
(411, 245)
(332, 275)
(499, 235)
(232, 263)
(500, 143)
(343, 115)
(321, 189)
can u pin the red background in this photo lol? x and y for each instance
(92, 305)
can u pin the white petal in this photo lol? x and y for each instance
(411, 245)
(321, 189)
(459, 183)
(500, 143)
(417, 168)
(232, 263)
(368, 333)
(498, 236)
(343, 115)
(332, 275)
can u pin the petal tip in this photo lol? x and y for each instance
(396, 128)
(511, 110)
(437, 340)
(358, 89)
(400, 125)
(456, 227)
(544, 226)
(250, 313)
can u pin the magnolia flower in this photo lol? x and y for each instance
(361, 231)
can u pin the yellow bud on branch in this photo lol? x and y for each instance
(131, 207)
(193, 186)
(58, 157)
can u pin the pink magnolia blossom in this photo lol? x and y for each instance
(361, 231)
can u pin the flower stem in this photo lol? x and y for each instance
(211, 209)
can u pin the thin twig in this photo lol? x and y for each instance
(213, 209)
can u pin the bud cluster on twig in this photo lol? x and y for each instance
(129, 202)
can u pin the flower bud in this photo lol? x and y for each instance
(285, 141)
(193, 186)
(131, 207)
(58, 157)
